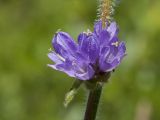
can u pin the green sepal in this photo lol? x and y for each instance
(72, 92)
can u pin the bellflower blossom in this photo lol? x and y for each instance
(95, 53)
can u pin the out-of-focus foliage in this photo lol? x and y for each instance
(29, 90)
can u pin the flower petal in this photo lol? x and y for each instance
(63, 44)
(88, 46)
(82, 42)
(98, 27)
(55, 58)
(107, 67)
(113, 29)
(111, 60)
(87, 75)
(104, 38)
(102, 59)
(93, 49)
(66, 67)
(121, 51)
(113, 65)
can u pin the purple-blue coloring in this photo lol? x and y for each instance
(96, 52)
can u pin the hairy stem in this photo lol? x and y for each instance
(93, 102)
(105, 11)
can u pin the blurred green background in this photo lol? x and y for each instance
(29, 90)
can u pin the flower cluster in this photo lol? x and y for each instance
(96, 52)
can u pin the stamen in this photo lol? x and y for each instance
(58, 31)
(115, 44)
(50, 50)
(88, 32)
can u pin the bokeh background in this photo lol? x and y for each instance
(29, 90)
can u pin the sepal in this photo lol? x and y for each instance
(72, 92)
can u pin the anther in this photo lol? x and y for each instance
(115, 44)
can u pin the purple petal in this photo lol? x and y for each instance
(98, 27)
(121, 51)
(86, 75)
(104, 37)
(61, 67)
(81, 57)
(93, 49)
(82, 42)
(106, 66)
(88, 46)
(63, 44)
(55, 58)
(113, 44)
(62, 52)
(113, 65)
(112, 59)
(113, 29)
(67, 68)
(102, 59)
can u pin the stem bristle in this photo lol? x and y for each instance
(106, 10)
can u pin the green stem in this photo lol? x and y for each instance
(93, 102)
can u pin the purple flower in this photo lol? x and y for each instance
(96, 52)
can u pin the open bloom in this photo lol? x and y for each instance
(96, 52)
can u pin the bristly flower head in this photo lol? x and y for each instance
(95, 53)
